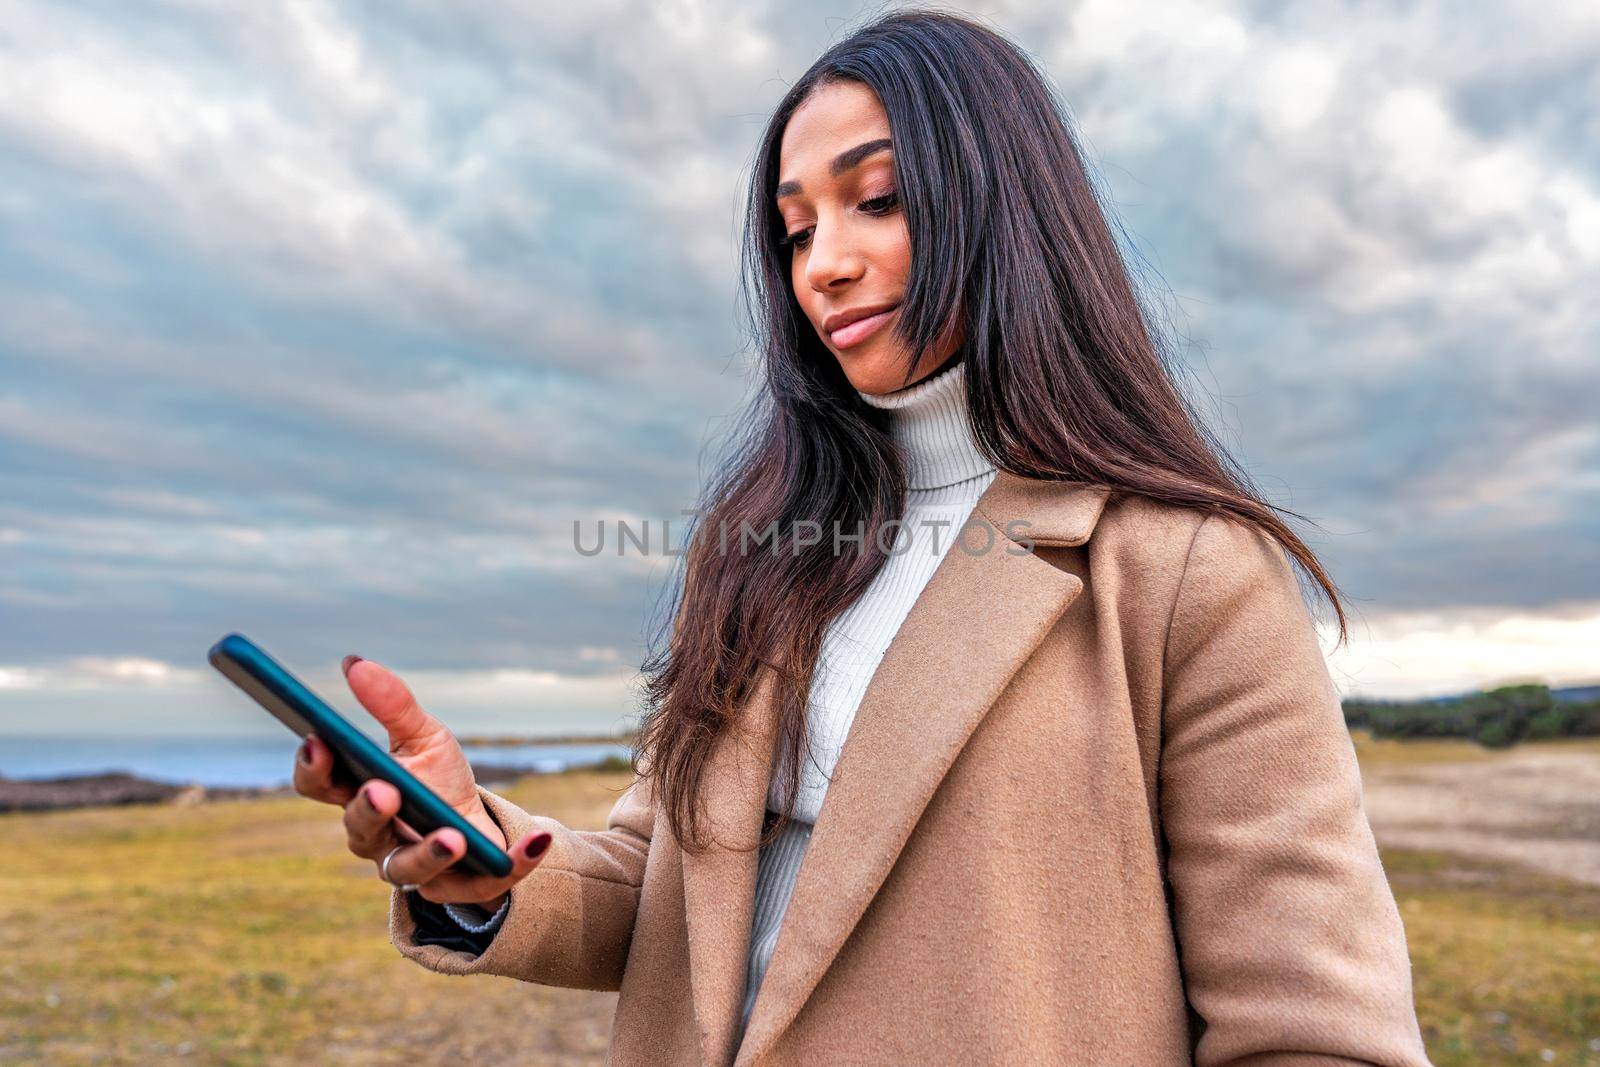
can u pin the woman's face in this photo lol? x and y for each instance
(848, 244)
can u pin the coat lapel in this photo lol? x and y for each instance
(719, 884)
(976, 622)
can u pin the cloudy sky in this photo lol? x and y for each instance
(324, 322)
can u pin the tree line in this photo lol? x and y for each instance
(1495, 718)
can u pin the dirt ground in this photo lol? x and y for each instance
(1533, 805)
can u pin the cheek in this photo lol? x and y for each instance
(894, 253)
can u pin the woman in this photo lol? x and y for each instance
(1089, 794)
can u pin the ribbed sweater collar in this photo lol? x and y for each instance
(929, 424)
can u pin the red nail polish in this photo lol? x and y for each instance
(535, 848)
(349, 661)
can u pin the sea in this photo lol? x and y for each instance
(238, 761)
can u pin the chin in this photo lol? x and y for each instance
(871, 375)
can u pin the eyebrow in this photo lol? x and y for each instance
(850, 157)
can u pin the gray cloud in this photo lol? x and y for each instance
(327, 325)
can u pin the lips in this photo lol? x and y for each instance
(840, 319)
(859, 329)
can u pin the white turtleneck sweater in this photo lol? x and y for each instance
(946, 475)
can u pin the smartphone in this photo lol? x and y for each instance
(355, 757)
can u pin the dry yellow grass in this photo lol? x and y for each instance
(245, 933)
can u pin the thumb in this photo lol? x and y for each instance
(389, 700)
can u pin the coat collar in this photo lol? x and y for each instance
(976, 622)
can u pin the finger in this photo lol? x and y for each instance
(441, 885)
(313, 773)
(389, 700)
(369, 819)
(428, 859)
(528, 853)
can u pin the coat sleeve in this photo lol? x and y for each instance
(569, 922)
(1291, 945)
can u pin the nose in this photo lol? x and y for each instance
(833, 260)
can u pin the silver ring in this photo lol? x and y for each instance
(383, 872)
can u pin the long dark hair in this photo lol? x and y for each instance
(1066, 380)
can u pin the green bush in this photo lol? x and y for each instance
(1552, 722)
(1495, 733)
(1494, 718)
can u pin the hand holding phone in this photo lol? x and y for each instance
(435, 757)
(448, 843)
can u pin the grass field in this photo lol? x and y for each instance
(244, 933)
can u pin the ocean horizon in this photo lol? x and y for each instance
(243, 761)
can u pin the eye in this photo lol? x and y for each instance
(881, 205)
(878, 205)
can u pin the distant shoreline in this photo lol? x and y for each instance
(515, 741)
(118, 788)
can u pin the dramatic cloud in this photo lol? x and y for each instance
(327, 327)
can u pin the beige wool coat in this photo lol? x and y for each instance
(1098, 806)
